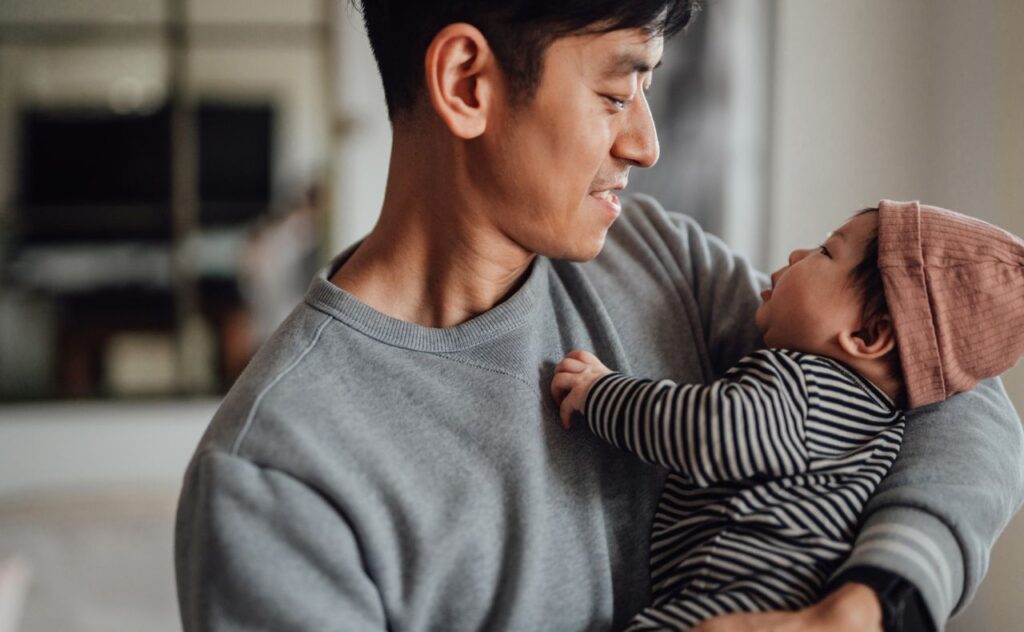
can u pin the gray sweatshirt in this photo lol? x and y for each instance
(368, 473)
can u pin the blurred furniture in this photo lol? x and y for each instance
(130, 212)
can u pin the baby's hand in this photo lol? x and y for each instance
(574, 376)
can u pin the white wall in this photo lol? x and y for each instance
(365, 145)
(917, 99)
(88, 446)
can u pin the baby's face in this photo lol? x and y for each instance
(813, 299)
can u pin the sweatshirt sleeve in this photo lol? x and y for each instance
(952, 491)
(748, 424)
(256, 549)
(726, 289)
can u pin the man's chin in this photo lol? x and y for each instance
(578, 252)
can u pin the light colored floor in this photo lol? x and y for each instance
(87, 498)
(99, 562)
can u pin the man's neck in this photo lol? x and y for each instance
(430, 281)
(432, 259)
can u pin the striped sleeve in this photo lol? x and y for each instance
(748, 424)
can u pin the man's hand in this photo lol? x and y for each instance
(852, 607)
(574, 376)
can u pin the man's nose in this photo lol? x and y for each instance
(637, 142)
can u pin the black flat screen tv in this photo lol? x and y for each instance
(87, 176)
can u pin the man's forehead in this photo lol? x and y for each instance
(628, 52)
(609, 54)
(628, 62)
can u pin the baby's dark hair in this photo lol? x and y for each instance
(867, 278)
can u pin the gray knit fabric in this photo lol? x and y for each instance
(367, 473)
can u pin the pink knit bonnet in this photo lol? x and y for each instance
(955, 289)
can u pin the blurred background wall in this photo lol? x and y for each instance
(777, 120)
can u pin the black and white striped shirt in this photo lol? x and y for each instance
(770, 469)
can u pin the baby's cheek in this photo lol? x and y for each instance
(759, 317)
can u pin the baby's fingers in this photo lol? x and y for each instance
(565, 411)
(570, 365)
(583, 357)
(561, 384)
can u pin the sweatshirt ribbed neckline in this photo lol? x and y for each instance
(508, 315)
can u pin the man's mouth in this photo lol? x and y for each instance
(609, 199)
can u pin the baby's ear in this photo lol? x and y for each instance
(875, 339)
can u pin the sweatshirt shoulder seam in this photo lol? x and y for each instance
(237, 444)
(482, 367)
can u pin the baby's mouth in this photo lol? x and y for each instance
(766, 294)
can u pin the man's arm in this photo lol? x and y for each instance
(256, 549)
(951, 492)
(727, 290)
(959, 477)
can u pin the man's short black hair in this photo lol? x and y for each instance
(518, 31)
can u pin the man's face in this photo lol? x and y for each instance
(555, 164)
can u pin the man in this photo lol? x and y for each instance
(392, 459)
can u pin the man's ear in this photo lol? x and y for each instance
(873, 340)
(461, 76)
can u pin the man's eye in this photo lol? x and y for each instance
(825, 251)
(619, 104)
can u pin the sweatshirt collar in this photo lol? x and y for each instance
(508, 315)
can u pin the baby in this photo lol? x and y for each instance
(771, 466)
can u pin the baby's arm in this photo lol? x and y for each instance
(732, 429)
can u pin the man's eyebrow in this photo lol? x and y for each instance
(627, 64)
